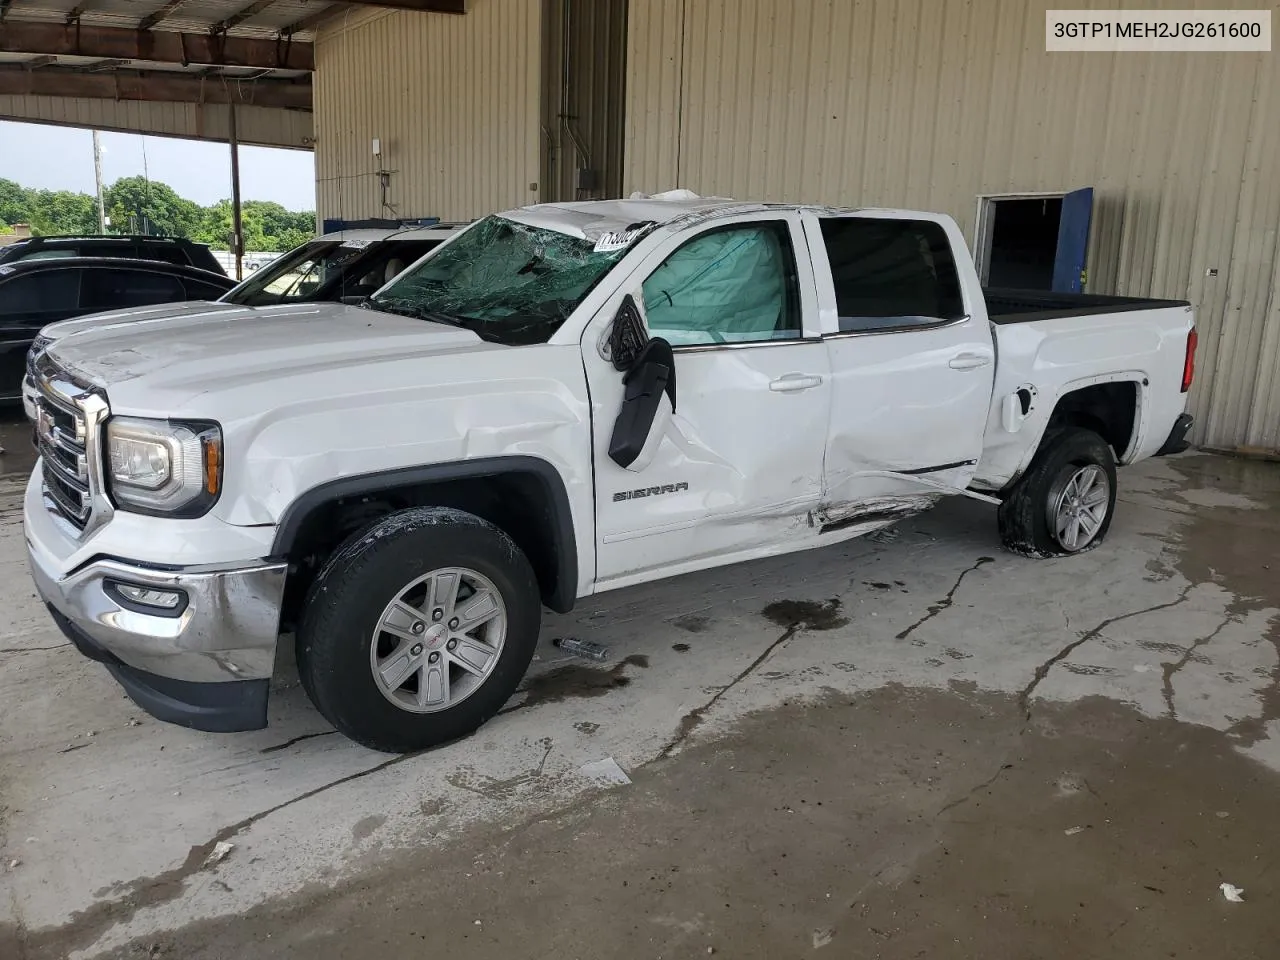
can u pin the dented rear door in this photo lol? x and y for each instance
(912, 363)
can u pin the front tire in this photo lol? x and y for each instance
(418, 629)
(1064, 503)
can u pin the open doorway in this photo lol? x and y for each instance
(1034, 241)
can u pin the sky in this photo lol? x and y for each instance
(61, 158)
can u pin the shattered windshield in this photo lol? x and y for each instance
(508, 282)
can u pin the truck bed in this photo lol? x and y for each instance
(1006, 305)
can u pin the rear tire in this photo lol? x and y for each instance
(1064, 503)
(418, 629)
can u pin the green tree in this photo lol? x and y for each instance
(61, 211)
(267, 226)
(138, 206)
(15, 203)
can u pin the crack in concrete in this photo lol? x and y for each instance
(289, 743)
(56, 646)
(968, 795)
(88, 925)
(690, 721)
(945, 602)
(1042, 671)
(1169, 669)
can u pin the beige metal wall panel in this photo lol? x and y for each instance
(453, 100)
(931, 103)
(261, 126)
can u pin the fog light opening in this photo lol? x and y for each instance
(153, 600)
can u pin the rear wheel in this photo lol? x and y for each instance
(418, 629)
(1064, 503)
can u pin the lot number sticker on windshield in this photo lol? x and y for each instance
(619, 240)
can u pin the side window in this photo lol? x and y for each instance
(49, 291)
(116, 289)
(165, 253)
(730, 285)
(57, 253)
(891, 274)
(381, 268)
(199, 290)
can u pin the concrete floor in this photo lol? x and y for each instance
(916, 746)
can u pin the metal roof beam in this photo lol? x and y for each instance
(241, 15)
(426, 6)
(159, 46)
(149, 21)
(161, 87)
(326, 10)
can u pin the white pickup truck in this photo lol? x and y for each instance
(560, 400)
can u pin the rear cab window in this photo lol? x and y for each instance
(891, 274)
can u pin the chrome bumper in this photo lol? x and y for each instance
(224, 631)
(29, 395)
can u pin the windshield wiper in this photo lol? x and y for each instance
(406, 308)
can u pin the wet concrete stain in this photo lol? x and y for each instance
(433, 807)
(680, 647)
(1234, 546)
(806, 614)
(364, 828)
(495, 788)
(575, 681)
(693, 623)
(944, 861)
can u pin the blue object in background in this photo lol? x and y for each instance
(1073, 241)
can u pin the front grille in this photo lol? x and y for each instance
(67, 415)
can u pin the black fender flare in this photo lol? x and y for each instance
(564, 595)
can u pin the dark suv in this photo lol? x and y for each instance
(164, 249)
(37, 292)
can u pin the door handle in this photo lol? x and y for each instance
(968, 361)
(791, 382)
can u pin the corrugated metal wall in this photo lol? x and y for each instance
(262, 126)
(453, 99)
(929, 103)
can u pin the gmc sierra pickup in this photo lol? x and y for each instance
(559, 400)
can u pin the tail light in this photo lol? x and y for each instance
(1189, 364)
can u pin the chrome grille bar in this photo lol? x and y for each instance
(69, 416)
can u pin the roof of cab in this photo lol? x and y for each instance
(438, 231)
(589, 219)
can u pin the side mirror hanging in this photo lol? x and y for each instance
(649, 400)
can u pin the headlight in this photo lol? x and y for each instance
(164, 467)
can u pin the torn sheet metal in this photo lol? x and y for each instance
(834, 517)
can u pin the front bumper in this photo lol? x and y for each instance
(206, 665)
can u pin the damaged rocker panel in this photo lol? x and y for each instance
(831, 519)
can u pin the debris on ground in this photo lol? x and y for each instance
(822, 937)
(605, 771)
(219, 853)
(887, 535)
(14, 864)
(1072, 831)
(1232, 892)
(586, 649)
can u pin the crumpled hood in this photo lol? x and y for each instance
(159, 364)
